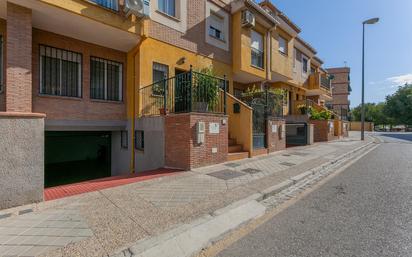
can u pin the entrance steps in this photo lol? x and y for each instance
(236, 151)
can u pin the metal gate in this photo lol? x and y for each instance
(259, 123)
(296, 134)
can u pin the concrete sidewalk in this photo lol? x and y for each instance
(104, 222)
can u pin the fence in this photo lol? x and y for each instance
(186, 92)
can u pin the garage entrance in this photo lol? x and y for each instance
(72, 157)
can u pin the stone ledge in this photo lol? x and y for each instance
(27, 115)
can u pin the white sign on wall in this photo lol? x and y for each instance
(274, 128)
(213, 128)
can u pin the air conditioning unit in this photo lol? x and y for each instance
(140, 8)
(248, 19)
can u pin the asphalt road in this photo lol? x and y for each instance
(364, 211)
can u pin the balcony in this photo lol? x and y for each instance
(319, 84)
(187, 92)
(109, 4)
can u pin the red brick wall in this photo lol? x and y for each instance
(181, 148)
(68, 108)
(322, 132)
(274, 140)
(18, 63)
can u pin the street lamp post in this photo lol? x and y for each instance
(370, 21)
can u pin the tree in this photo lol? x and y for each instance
(399, 105)
(373, 113)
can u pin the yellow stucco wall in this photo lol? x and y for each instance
(240, 124)
(97, 13)
(152, 50)
(282, 63)
(242, 50)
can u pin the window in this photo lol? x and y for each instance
(106, 79)
(160, 73)
(168, 7)
(216, 26)
(139, 139)
(124, 139)
(312, 70)
(294, 58)
(1, 64)
(283, 45)
(257, 49)
(110, 4)
(305, 63)
(60, 72)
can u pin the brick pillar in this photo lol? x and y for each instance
(19, 59)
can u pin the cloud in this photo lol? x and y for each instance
(400, 80)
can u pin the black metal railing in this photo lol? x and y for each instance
(272, 102)
(186, 92)
(109, 4)
(325, 82)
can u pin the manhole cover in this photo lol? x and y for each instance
(300, 154)
(232, 165)
(251, 171)
(226, 174)
(287, 164)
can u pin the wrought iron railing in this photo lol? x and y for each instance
(109, 4)
(325, 82)
(272, 103)
(186, 92)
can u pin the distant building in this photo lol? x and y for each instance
(340, 91)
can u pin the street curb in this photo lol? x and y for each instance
(189, 239)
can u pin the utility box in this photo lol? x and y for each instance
(200, 132)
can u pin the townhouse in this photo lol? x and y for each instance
(96, 88)
(340, 91)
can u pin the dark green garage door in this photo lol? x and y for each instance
(76, 156)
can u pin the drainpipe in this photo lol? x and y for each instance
(268, 55)
(136, 51)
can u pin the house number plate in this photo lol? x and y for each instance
(214, 128)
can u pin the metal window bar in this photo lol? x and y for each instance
(60, 72)
(106, 79)
(1, 64)
(109, 4)
(186, 92)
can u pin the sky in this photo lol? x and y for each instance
(334, 28)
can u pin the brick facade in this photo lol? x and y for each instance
(18, 61)
(181, 148)
(323, 132)
(340, 89)
(275, 142)
(69, 108)
(194, 38)
(2, 94)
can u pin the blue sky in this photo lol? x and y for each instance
(334, 28)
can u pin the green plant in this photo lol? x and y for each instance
(319, 115)
(206, 87)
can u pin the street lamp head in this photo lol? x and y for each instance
(371, 21)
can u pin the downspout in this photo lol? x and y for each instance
(268, 55)
(136, 51)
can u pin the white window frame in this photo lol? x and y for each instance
(65, 58)
(284, 47)
(120, 86)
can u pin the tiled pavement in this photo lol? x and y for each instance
(98, 223)
(34, 233)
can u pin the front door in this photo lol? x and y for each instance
(182, 91)
(259, 123)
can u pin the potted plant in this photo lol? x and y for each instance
(303, 109)
(205, 90)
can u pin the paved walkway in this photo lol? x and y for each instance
(102, 222)
(58, 192)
